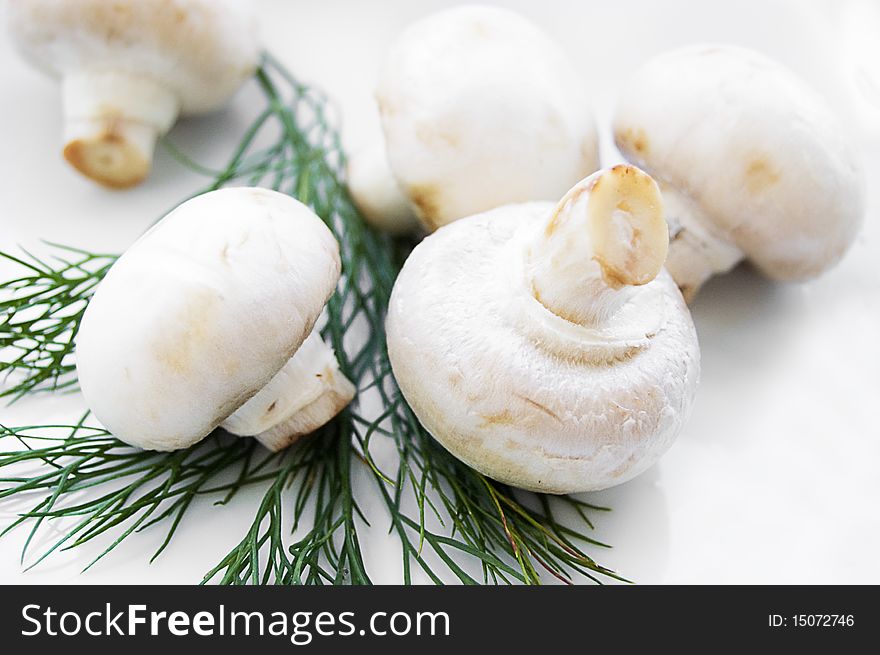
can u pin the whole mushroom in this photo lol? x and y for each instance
(128, 68)
(752, 164)
(545, 346)
(479, 109)
(208, 320)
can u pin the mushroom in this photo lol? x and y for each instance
(208, 320)
(751, 163)
(479, 109)
(376, 193)
(545, 346)
(128, 68)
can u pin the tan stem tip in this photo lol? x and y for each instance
(607, 233)
(112, 151)
(626, 225)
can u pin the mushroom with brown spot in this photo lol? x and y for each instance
(479, 108)
(129, 68)
(751, 162)
(208, 321)
(544, 345)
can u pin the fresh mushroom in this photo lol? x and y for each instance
(377, 194)
(545, 346)
(128, 68)
(479, 109)
(752, 164)
(208, 320)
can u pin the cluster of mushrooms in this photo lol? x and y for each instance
(549, 301)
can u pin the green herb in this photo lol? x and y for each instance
(39, 312)
(443, 513)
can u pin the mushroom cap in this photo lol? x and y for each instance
(202, 49)
(201, 312)
(519, 393)
(376, 192)
(757, 150)
(480, 108)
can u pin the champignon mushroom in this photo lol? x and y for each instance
(208, 320)
(479, 109)
(128, 68)
(752, 164)
(377, 194)
(546, 347)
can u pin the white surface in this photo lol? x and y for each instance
(775, 479)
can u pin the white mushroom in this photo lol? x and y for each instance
(480, 108)
(546, 347)
(751, 163)
(128, 68)
(208, 320)
(377, 194)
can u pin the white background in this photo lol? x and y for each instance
(777, 477)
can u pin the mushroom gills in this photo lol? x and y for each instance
(111, 123)
(304, 395)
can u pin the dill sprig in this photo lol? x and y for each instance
(445, 515)
(39, 312)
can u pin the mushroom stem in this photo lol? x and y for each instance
(306, 393)
(111, 123)
(695, 253)
(607, 234)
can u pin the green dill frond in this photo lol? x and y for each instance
(445, 516)
(39, 313)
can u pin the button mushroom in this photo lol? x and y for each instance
(128, 68)
(479, 109)
(545, 346)
(377, 194)
(751, 163)
(208, 320)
